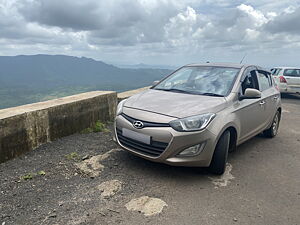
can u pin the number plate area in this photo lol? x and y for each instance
(136, 136)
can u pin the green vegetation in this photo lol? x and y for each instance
(30, 176)
(97, 127)
(72, 156)
(41, 173)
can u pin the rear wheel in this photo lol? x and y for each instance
(273, 130)
(219, 160)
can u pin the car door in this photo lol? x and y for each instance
(269, 96)
(250, 112)
(292, 77)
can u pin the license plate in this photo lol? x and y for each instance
(136, 136)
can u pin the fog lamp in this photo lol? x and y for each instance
(193, 151)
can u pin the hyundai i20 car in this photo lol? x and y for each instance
(198, 114)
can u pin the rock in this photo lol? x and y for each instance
(148, 206)
(85, 157)
(110, 188)
(235, 219)
(52, 215)
(93, 166)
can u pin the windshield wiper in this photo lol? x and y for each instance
(174, 90)
(211, 94)
(189, 92)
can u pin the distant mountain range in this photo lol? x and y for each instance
(33, 78)
(146, 66)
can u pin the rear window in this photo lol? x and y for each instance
(292, 72)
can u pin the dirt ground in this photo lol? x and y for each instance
(87, 179)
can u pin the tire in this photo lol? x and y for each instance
(273, 130)
(219, 159)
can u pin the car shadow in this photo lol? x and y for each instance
(247, 147)
(162, 170)
(290, 96)
(182, 173)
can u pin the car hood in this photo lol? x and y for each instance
(174, 104)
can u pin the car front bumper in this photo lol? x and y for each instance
(169, 142)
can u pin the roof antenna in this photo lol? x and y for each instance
(243, 58)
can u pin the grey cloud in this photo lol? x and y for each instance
(134, 23)
(285, 23)
(123, 22)
(78, 15)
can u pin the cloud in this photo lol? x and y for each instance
(77, 15)
(286, 22)
(150, 30)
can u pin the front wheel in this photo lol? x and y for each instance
(219, 160)
(273, 130)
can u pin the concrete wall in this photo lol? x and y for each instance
(26, 127)
(127, 94)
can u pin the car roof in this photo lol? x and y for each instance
(285, 67)
(231, 65)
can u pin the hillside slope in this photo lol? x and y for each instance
(27, 79)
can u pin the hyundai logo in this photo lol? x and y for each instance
(138, 124)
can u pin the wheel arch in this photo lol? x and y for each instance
(280, 111)
(234, 134)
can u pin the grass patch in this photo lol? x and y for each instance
(30, 176)
(41, 173)
(72, 156)
(97, 127)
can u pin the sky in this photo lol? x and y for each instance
(157, 32)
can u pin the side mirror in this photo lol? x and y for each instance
(250, 93)
(155, 82)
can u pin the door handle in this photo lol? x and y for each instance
(262, 103)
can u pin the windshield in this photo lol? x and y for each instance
(205, 80)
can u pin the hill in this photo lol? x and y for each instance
(33, 78)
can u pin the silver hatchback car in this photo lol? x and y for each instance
(198, 114)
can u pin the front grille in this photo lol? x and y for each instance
(153, 150)
(146, 123)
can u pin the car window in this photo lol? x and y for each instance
(264, 80)
(271, 81)
(273, 71)
(292, 72)
(250, 80)
(277, 72)
(207, 80)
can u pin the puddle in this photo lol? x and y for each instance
(146, 205)
(224, 180)
(110, 188)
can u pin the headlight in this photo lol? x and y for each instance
(193, 123)
(120, 107)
